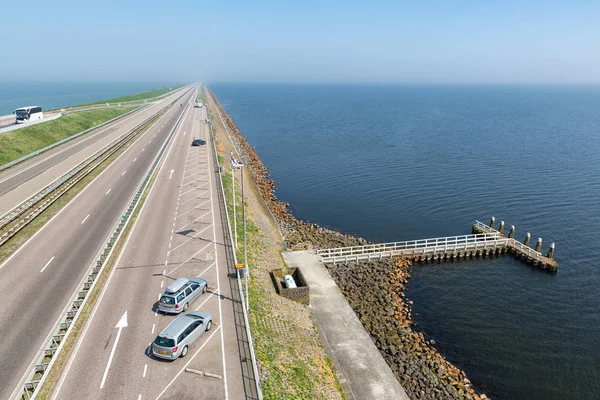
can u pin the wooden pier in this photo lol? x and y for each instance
(485, 241)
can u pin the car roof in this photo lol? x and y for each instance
(176, 286)
(177, 326)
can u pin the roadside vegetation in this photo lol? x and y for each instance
(17, 143)
(139, 96)
(293, 363)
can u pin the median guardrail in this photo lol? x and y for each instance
(35, 205)
(29, 387)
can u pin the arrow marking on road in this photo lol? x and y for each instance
(170, 175)
(120, 325)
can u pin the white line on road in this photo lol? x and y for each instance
(215, 293)
(171, 174)
(153, 327)
(87, 216)
(120, 325)
(48, 263)
(143, 149)
(145, 369)
(159, 296)
(188, 363)
(140, 397)
(108, 192)
(162, 283)
(198, 252)
(124, 172)
(134, 160)
(207, 268)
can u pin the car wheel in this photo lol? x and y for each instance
(208, 325)
(204, 289)
(185, 306)
(184, 352)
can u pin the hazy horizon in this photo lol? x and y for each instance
(434, 42)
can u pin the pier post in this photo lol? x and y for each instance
(501, 228)
(527, 239)
(511, 233)
(538, 245)
(492, 222)
(551, 251)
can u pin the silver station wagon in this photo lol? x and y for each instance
(175, 339)
(179, 295)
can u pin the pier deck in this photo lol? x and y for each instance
(484, 241)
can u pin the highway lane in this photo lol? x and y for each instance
(22, 181)
(177, 234)
(39, 279)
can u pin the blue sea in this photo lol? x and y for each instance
(51, 95)
(392, 163)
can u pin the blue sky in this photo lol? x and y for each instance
(303, 41)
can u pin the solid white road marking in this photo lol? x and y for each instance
(108, 191)
(48, 263)
(159, 296)
(134, 160)
(188, 363)
(162, 283)
(143, 149)
(145, 369)
(195, 254)
(120, 325)
(87, 216)
(216, 293)
(153, 327)
(140, 397)
(124, 172)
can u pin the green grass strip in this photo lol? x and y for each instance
(22, 141)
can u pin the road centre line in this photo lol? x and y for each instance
(48, 263)
(188, 363)
(87, 216)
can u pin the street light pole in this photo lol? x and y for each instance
(235, 243)
(245, 253)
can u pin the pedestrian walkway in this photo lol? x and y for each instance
(363, 372)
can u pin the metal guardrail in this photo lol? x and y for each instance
(244, 310)
(432, 246)
(43, 199)
(62, 329)
(40, 151)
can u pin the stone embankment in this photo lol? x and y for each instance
(374, 291)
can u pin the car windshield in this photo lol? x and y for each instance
(164, 342)
(21, 113)
(167, 300)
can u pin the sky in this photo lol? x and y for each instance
(302, 41)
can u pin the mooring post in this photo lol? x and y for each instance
(538, 245)
(511, 233)
(551, 251)
(501, 228)
(527, 239)
(492, 222)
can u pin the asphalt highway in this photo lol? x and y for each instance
(38, 280)
(177, 234)
(27, 178)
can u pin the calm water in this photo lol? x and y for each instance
(51, 95)
(404, 162)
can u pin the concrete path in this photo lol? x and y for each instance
(363, 371)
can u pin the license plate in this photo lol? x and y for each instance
(164, 352)
(167, 306)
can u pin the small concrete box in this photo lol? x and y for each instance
(300, 294)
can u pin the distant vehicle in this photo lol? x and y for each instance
(199, 104)
(198, 142)
(175, 339)
(31, 113)
(180, 294)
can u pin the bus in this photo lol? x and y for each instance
(30, 113)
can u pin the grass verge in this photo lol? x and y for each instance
(63, 357)
(17, 143)
(293, 363)
(140, 96)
